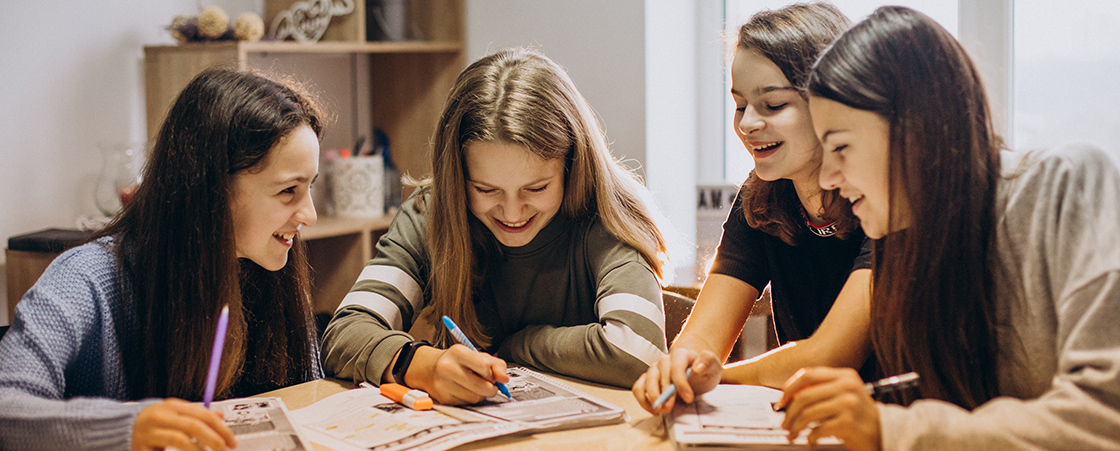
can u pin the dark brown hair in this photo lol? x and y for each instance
(792, 37)
(932, 305)
(521, 97)
(175, 240)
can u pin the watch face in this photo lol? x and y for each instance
(404, 359)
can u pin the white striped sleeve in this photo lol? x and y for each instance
(398, 278)
(377, 303)
(622, 337)
(632, 303)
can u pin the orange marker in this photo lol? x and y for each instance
(413, 399)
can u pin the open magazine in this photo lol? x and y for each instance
(261, 423)
(735, 417)
(364, 419)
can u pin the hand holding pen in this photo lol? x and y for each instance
(463, 340)
(836, 402)
(677, 377)
(875, 388)
(174, 423)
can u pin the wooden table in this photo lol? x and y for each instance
(641, 431)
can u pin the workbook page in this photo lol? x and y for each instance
(364, 419)
(735, 416)
(547, 403)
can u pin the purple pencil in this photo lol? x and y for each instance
(216, 356)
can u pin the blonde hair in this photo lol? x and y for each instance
(521, 97)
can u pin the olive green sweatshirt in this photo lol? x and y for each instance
(575, 301)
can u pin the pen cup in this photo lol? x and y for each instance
(357, 186)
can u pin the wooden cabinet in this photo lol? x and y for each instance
(23, 268)
(399, 87)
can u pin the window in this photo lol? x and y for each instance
(1065, 68)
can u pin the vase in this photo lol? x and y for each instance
(121, 165)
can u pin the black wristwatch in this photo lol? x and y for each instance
(405, 358)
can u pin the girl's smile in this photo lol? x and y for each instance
(512, 191)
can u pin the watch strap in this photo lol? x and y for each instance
(404, 359)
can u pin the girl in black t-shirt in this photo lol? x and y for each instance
(783, 230)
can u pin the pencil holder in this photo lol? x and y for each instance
(357, 186)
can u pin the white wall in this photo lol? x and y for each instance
(636, 63)
(71, 76)
(600, 43)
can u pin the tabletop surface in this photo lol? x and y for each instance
(641, 431)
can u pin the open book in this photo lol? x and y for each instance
(364, 419)
(735, 417)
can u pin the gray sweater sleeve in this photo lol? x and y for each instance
(367, 329)
(62, 341)
(1060, 296)
(629, 336)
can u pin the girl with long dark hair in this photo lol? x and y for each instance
(131, 315)
(996, 273)
(783, 229)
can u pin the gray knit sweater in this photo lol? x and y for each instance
(62, 381)
(1059, 289)
(61, 374)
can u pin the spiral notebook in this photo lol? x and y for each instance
(735, 417)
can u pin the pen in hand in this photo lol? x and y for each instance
(463, 340)
(879, 387)
(216, 356)
(891, 384)
(669, 392)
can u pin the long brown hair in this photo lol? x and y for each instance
(520, 96)
(933, 304)
(792, 37)
(175, 241)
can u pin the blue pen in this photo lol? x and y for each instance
(463, 340)
(669, 392)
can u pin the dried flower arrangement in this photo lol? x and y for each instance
(212, 24)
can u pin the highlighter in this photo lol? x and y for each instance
(413, 399)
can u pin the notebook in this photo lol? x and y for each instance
(364, 419)
(735, 417)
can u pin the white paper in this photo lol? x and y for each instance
(735, 415)
(547, 403)
(261, 424)
(364, 419)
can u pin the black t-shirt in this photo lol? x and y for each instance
(804, 279)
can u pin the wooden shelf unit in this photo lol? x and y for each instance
(399, 87)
